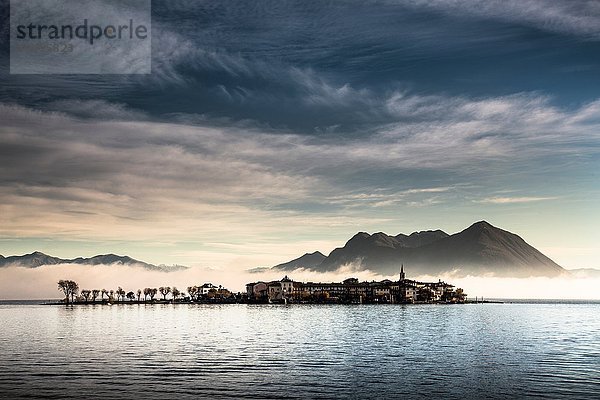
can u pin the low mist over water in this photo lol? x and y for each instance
(244, 351)
(40, 283)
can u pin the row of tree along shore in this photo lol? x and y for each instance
(350, 291)
(207, 292)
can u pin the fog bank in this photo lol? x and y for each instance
(41, 282)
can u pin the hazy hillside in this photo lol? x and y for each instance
(480, 249)
(38, 259)
(307, 261)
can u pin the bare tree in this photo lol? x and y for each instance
(192, 290)
(69, 288)
(176, 293)
(95, 294)
(120, 294)
(164, 291)
(74, 290)
(86, 294)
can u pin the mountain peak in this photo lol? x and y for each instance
(360, 235)
(482, 225)
(480, 249)
(308, 261)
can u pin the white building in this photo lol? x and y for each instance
(281, 289)
(207, 287)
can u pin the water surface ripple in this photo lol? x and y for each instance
(494, 351)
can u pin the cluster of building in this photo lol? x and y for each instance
(208, 291)
(352, 291)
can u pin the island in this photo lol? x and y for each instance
(284, 291)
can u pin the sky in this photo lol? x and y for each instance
(270, 129)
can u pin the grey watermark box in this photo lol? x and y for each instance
(80, 37)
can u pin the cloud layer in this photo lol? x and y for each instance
(271, 130)
(118, 173)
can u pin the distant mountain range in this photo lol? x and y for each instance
(479, 250)
(38, 259)
(309, 260)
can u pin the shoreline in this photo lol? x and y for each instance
(548, 301)
(60, 303)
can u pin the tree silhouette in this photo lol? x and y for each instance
(69, 288)
(130, 296)
(176, 293)
(152, 293)
(104, 292)
(95, 294)
(120, 293)
(86, 294)
(139, 294)
(146, 293)
(164, 291)
(224, 293)
(425, 294)
(111, 295)
(192, 290)
(459, 295)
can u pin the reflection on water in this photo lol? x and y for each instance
(302, 351)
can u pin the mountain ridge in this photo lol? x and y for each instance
(480, 249)
(307, 261)
(37, 259)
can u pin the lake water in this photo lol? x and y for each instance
(300, 351)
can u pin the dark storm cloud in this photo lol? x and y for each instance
(325, 67)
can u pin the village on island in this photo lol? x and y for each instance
(351, 291)
(284, 291)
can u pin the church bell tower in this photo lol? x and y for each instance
(402, 276)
